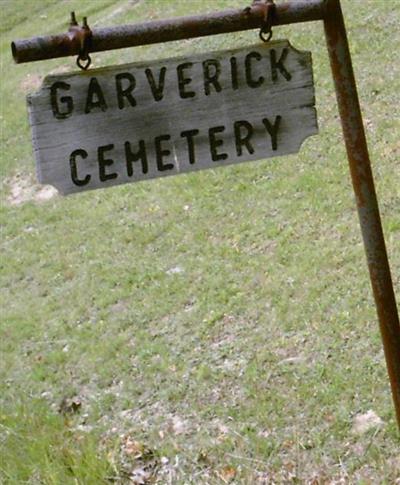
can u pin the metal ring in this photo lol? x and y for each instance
(85, 66)
(262, 35)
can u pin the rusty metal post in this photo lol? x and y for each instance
(363, 184)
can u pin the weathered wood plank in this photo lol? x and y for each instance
(144, 120)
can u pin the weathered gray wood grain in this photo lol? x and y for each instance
(265, 113)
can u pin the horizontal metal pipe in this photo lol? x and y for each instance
(103, 39)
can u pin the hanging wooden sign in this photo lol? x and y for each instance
(144, 120)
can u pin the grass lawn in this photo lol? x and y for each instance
(216, 327)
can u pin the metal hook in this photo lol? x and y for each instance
(83, 35)
(265, 33)
(268, 7)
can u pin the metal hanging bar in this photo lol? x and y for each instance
(104, 39)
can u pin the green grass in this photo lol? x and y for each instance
(258, 352)
(40, 447)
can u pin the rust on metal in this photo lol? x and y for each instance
(364, 189)
(84, 37)
(268, 9)
(266, 27)
(68, 44)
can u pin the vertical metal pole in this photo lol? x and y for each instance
(363, 184)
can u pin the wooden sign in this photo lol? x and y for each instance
(139, 121)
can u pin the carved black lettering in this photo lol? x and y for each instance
(157, 89)
(278, 65)
(104, 163)
(135, 157)
(251, 82)
(215, 143)
(74, 171)
(273, 130)
(162, 152)
(125, 92)
(95, 97)
(234, 73)
(65, 100)
(189, 135)
(211, 73)
(184, 81)
(243, 139)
